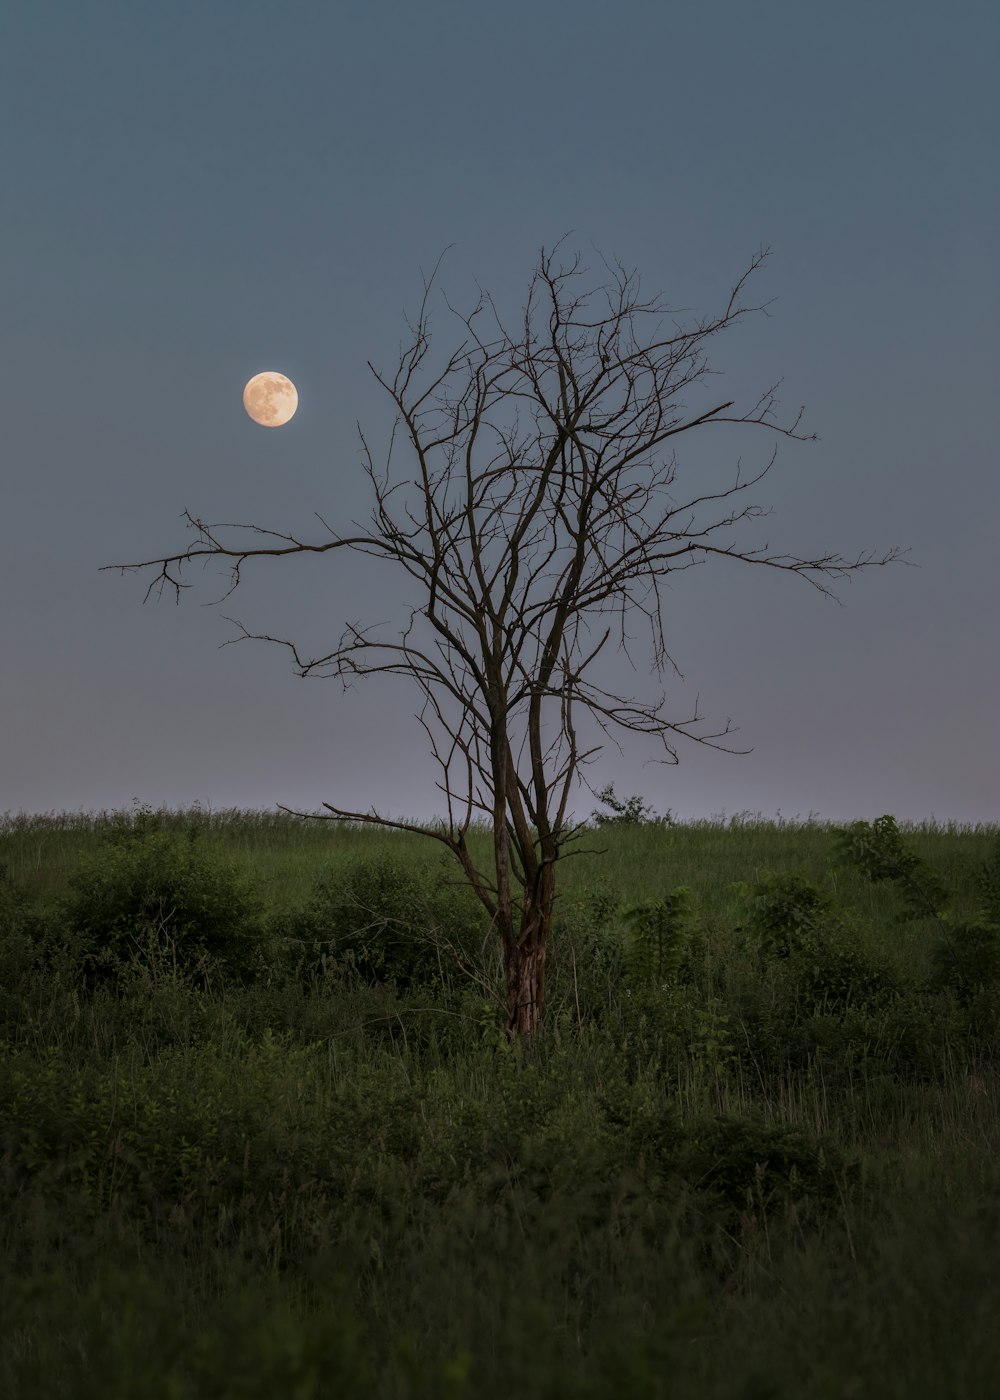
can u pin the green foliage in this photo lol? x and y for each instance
(585, 954)
(833, 978)
(710, 1039)
(878, 850)
(967, 959)
(750, 1166)
(786, 912)
(633, 812)
(798, 925)
(142, 1337)
(382, 921)
(966, 954)
(15, 941)
(647, 1196)
(155, 900)
(658, 938)
(603, 903)
(988, 881)
(738, 1164)
(28, 938)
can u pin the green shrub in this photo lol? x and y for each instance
(658, 940)
(786, 912)
(585, 955)
(916, 1034)
(878, 850)
(381, 921)
(21, 924)
(831, 977)
(753, 1168)
(798, 926)
(966, 958)
(18, 953)
(633, 812)
(988, 881)
(151, 899)
(966, 954)
(739, 1165)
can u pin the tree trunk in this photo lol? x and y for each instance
(526, 982)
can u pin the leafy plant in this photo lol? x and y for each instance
(966, 955)
(586, 955)
(633, 812)
(383, 921)
(16, 950)
(150, 898)
(711, 1042)
(787, 912)
(967, 959)
(752, 1167)
(798, 925)
(878, 850)
(658, 941)
(988, 880)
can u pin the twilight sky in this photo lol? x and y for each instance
(195, 192)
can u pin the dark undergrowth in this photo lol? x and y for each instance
(261, 1135)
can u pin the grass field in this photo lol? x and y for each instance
(262, 1136)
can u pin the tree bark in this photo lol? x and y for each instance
(526, 983)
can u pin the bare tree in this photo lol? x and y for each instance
(525, 549)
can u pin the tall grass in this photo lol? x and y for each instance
(762, 1163)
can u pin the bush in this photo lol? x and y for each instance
(585, 956)
(966, 958)
(151, 898)
(830, 978)
(658, 942)
(17, 952)
(966, 955)
(786, 913)
(632, 812)
(752, 1167)
(796, 925)
(380, 921)
(30, 938)
(739, 1166)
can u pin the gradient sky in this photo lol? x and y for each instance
(196, 191)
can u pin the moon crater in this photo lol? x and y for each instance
(270, 399)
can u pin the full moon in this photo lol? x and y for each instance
(270, 399)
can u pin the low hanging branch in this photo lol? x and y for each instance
(519, 543)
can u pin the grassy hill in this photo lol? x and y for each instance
(261, 1134)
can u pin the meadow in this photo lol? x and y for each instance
(262, 1135)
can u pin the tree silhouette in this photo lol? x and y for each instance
(524, 549)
